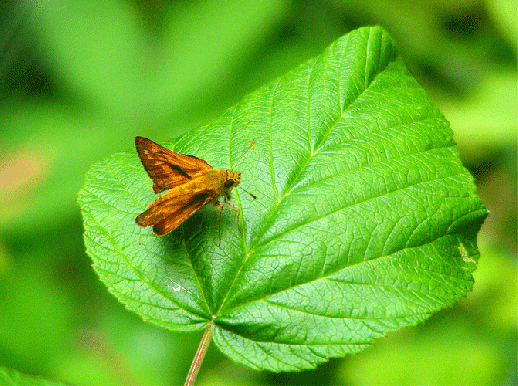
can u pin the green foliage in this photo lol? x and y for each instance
(12, 377)
(365, 221)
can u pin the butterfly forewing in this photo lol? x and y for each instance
(168, 211)
(166, 168)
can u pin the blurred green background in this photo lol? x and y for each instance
(79, 79)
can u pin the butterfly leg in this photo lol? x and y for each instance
(221, 205)
(237, 220)
(230, 205)
(219, 220)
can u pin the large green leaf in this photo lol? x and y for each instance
(365, 220)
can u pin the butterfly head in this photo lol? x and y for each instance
(232, 178)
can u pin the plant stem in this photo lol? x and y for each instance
(200, 354)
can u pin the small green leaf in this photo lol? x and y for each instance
(365, 221)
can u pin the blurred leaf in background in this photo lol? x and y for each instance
(79, 79)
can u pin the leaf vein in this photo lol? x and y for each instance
(338, 209)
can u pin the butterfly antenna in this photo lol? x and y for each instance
(240, 158)
(253, 195)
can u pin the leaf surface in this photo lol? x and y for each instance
(365, 221)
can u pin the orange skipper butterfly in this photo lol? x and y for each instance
(192, 184)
